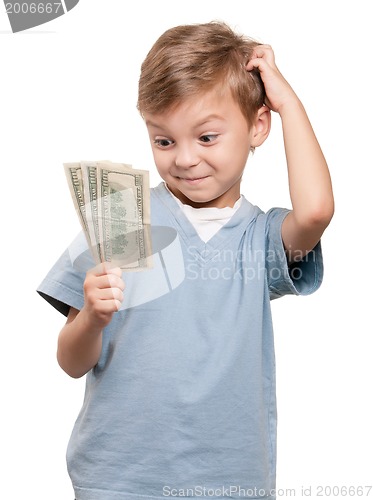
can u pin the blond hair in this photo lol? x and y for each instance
(192, 59)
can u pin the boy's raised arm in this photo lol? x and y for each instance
(309, 180)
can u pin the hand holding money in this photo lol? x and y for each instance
(112, 201)
(103, 294)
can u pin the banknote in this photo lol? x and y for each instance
(124, 215)
(89, 176)
(74, 177)
(113, 204)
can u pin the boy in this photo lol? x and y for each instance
(180, 388)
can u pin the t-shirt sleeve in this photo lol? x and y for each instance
(62, 287)
(301, 278)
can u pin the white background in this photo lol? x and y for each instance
(68, 92)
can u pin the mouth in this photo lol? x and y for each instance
(193, 180)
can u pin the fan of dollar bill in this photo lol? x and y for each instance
(112, 201)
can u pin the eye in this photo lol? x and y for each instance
(163, 143)
(208, 138)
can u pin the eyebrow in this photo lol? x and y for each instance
(209, 118)
(152, 124)
(199, 124)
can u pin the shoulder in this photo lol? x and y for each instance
(267, 223)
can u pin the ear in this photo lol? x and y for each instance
(261, 127)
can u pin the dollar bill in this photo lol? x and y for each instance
(124, 215)
(74, 177)
(89, 175)
(113, 204)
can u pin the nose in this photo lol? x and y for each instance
(186, 156)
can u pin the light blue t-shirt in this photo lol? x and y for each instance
(182, 401)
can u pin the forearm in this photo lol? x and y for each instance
(309, 180)
(79, 345)
(80, 340)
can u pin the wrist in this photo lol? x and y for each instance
(89, 323)
(291, 105)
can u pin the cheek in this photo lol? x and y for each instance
(224, 158)
(232, 160)
(241, 150)
(161, 160)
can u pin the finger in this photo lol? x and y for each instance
(110, 294)
(116, 281)
(117, 271)
(258, 63)
(93, 282)
(101, 299)
(108, 281)
(106, 268)
(263, 53)
(108, 306)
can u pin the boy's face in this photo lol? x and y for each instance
(201, 148)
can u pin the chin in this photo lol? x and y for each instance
(199, 201)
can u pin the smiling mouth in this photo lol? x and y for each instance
(193, 180)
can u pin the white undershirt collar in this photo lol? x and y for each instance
(207, 221)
